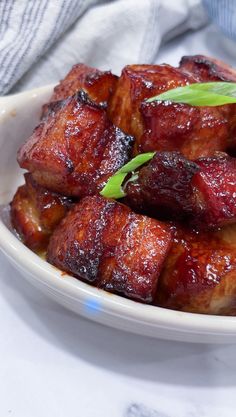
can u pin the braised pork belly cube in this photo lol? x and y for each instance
(99, 85)
(214, 191)
(103, 242)
(207, 68)
(199, 275)
(194, 131)
(75, 149)
(197, 131)
(36, 211)
(137, 83)
(164, 186)
(203, 192)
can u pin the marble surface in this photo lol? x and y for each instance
(54, 363)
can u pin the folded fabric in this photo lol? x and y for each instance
(42, 39)
(28, 28)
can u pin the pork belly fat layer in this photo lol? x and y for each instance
(199, 275)
(75, 149)
(105, 243)
(203, 191)
(35, 212)
(97, 84)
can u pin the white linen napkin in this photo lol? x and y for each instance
(41, 39)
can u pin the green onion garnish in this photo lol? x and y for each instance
(200, 94)
(113, 188)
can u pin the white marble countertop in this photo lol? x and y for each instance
(54, 363)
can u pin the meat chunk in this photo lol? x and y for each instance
(137, 83)
(214, 191)
(199, 275)
(103, 242)
(204, 191)
(196, 131)
(75, 149)
(207, 68)
(97, 84)
(35, 212)
(164, 186)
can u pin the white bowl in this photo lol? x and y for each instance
(18, 116)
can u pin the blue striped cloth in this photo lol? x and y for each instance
(223, 13)
(28, 28)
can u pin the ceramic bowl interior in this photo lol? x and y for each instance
(19, 114)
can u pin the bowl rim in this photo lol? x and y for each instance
(111, 304)
(117, 305)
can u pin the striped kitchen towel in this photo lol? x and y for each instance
(41, 39)
(223, 13)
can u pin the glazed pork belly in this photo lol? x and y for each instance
(207, 69)
(137, 83)
(103, 242)
(199, 275)
(76, 148)
(163, 186)
(203, 191)
(99, 85)
(35, 212)
(194, 131)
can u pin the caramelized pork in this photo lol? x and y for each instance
(35, 212)
(199, 275)
(75, 149)
(195, 131)
(207, 69)
(105, 243)
(97, 84)
(214, 192)
(137, 83)
(203, 192)
(164, 186)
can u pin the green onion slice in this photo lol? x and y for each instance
(200, 94)
(114, 188)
